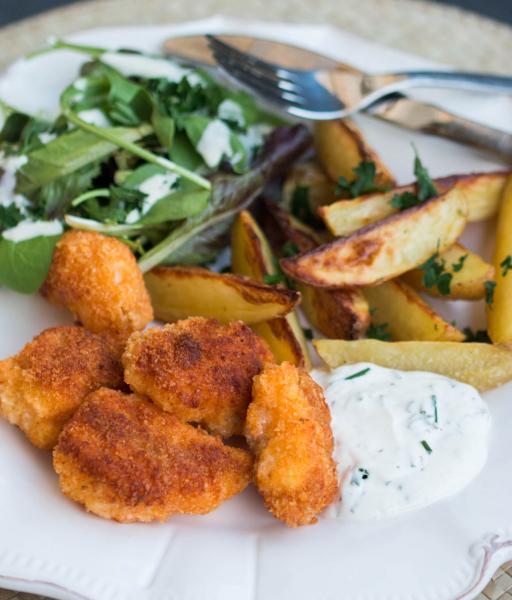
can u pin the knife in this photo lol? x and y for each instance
(395, 108)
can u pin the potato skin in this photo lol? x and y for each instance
(288, 428)
(198, 369)
(42, 386)
(97, 278)
(125, 459)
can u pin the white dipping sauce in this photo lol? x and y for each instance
(26, 230)
(402, 439)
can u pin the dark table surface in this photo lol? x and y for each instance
(13, 10)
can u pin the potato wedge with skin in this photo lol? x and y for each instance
(386, 249)
(482, 365)
(251, 256)
(342, 314)
(407, 315)
(181, 292)
(341, 147)
(482, 192)
(311, 176)
(468, 283)
(499, 313)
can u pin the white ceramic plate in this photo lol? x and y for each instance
(446, 551)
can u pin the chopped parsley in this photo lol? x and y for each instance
(359, 475)
(363, 183)
(435, 275)
(274, 278)
(308, 333)
(458, 266)
(301, 208)
(426, 446)
(434, 403)
(378, 332)
(424, 189)
(358, 374)
(490, 286)
(289, 249)
(479, 335)
(506, 265)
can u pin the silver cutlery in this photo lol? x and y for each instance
(394, 108)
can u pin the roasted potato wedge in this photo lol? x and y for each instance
(407, 315)
(181, 292)
(482, 365)
(311, 176)
(251, 256)
(342, 314)
(481, 190)
(469, 273)
(341, 147)
(385, 249)
(499, 312)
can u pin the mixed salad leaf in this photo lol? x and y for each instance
(158, 155)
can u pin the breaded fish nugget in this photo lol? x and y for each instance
(125, 459)
(198, 369)
(97, 278)
(42, 386)
(288, 427)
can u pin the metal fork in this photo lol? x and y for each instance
(336, 93)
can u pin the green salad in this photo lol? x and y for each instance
(156, 154)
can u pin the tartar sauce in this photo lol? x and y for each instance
(402, 439)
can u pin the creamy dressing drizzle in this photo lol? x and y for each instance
(8, 167)
(94, 116)
(136, 65)
(402, 439)
(26, 230)
(215, 142)
(229, 110)
(156, 187)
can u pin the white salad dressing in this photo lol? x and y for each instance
(46, 138)
(8, 167)
(26, 230)
(402, 439)
(94, 116)
(254, 136)
(136, 65)
(156, 187)
(229, 110)
(215, 142)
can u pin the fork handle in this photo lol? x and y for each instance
(450, 79)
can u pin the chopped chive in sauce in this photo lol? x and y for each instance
(358, 374)
(506, 265)
(308, 333)
(426, 446)
(434, 402)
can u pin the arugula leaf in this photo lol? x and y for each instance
(10, 216)
(164, 128)
(490, 286)
(506, 265)
(364, 181)
(378, 332)
(459, 265)
(115, 208)
(183, 152)
(200, 238)
(435, 275)
(24, 265)
(175, 206)
(137, 177)
(480, 335)
(67, 154)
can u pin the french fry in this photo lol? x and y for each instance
(181, 292)
(481, 190)
(342, 314)
(251, 256)
(406, 315)
(499, 312)
(341, 147)
(469, 273)
(482, 365)
(386, 249)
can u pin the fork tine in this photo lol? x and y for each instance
(253, 63)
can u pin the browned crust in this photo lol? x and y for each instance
(124, 458)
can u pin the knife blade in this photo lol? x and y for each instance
(397, 109)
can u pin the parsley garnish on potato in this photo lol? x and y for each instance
(363, 183)
(436, 275)
(506, 265)
(490, 286)
(425, 188)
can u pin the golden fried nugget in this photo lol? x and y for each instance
(42, 386)
(125, 459)
(98, 279)
(198, 369)
(288, 427)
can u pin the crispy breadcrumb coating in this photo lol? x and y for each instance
(97, 278)
(288, 427)
(198, 369)
(125, 459)
(42, 386)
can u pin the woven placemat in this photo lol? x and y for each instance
(441, 33)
